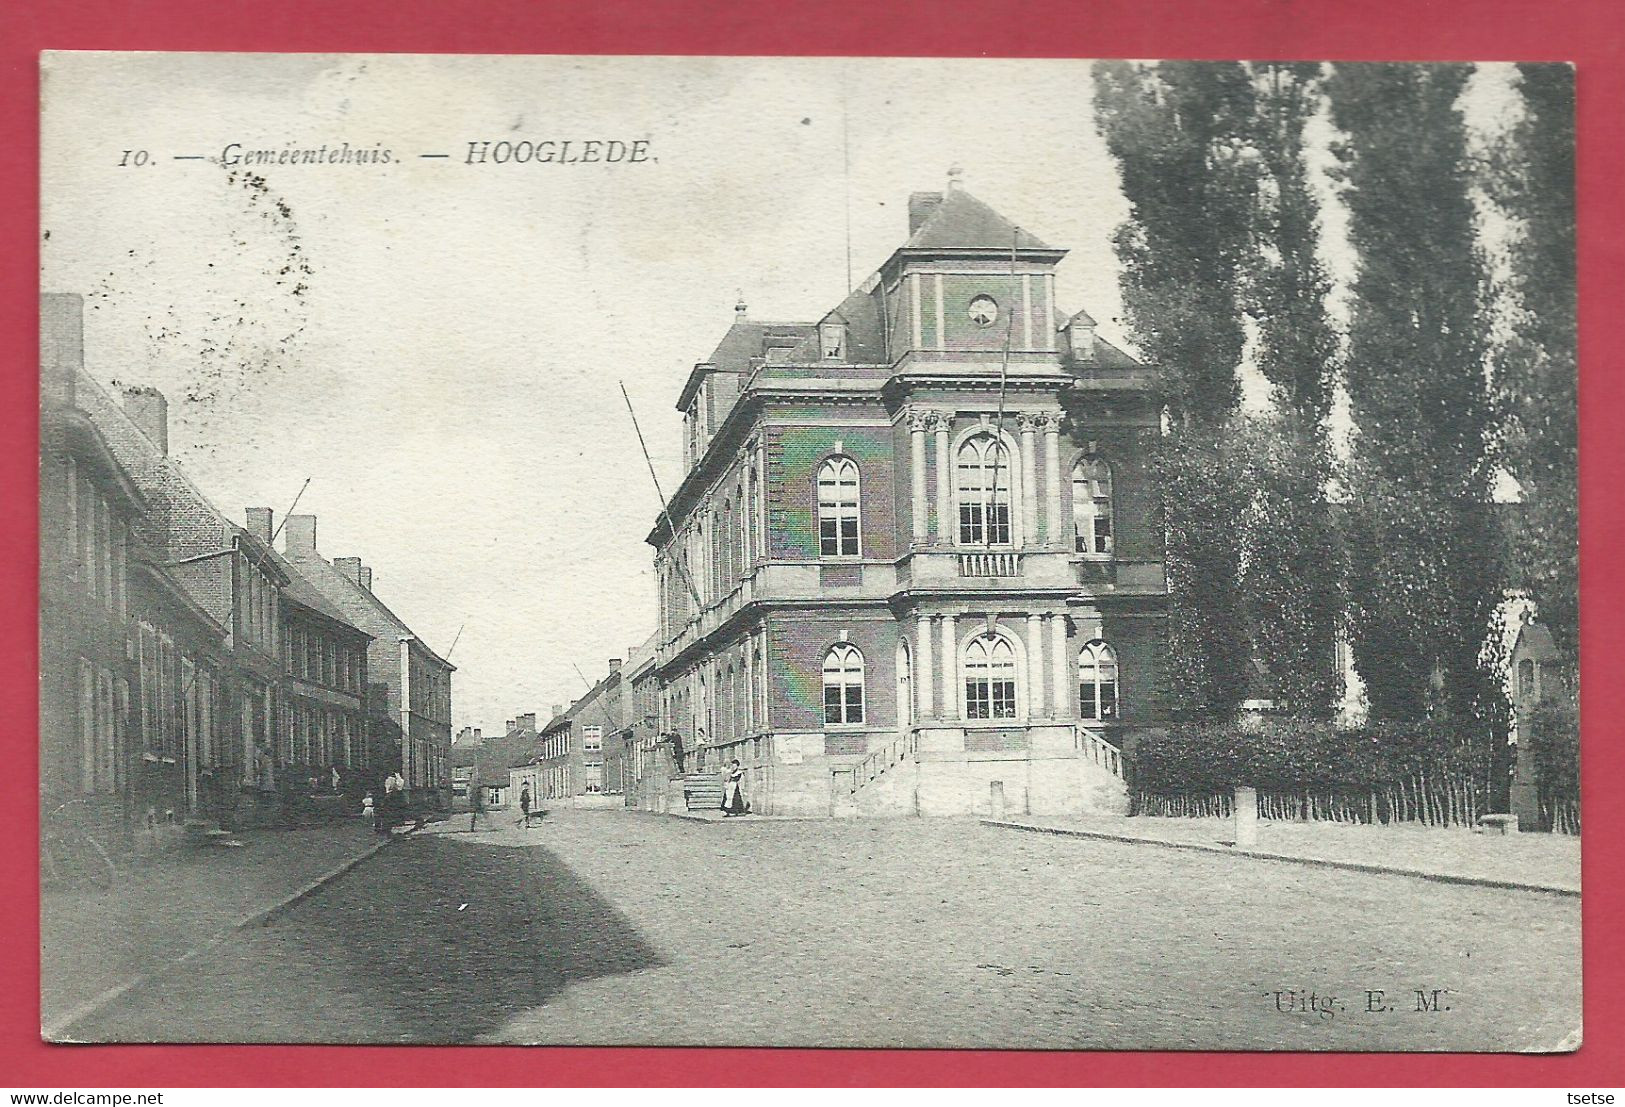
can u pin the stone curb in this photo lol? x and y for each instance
(695, 817)
(1322, 862)
(55, 1032)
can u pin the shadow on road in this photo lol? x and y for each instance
(430, 941)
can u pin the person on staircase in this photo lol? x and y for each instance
(733, 796)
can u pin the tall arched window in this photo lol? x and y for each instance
(1092, 506)
(843, 685)
(905, 684)
(1097, 681)
(982, 488)
(838, 508)
(990, 678)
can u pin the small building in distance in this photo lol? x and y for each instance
(583, 753)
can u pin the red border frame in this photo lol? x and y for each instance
(1588, 32)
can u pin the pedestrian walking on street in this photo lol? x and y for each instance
(733, 798)
(524, 804)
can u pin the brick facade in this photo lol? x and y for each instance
(957, 591)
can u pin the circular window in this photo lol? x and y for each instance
(983, 311)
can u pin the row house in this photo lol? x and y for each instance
(156, 624)
(89, 507)
(504, 766)
(913, 565)
(324, 737)
(179, 655)
(645, 755)
(226, 767)
(465, 748)
(583, 750)
(408, 683)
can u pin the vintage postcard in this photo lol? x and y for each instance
(1049, 554)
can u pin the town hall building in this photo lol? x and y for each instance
(912, 567)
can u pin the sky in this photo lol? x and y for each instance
(439, 346)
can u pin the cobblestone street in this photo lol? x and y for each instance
(618, 928)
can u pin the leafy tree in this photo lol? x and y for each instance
(1532, 180)
(1422, 546)
(1178, 133)
(1293, 599)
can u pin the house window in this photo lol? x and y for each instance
(843, 686)
(990, 678)
(983, 491)
(1097, 681)
(1092, 506)
(838, 508)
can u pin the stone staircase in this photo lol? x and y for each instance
(702, 791)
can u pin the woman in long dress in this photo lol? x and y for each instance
(733, 799)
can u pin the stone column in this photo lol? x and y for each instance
(946, 523)
(1028, 422)
(923, 675)
(1037, 701)
(1245, 808)
(1055, 529)
(918, 421)
(950, 669)
(1061, 668)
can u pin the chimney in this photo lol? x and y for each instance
(921, 205)
(61, 345)
(350, 567)
(614, 664)
(299, 535)
(526, 723)
(149, 411)
(259, 523)
(740, 309)
(365, 577)
(956, 178)
(557, 710)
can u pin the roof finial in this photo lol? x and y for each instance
(956, 174)
(739, 307)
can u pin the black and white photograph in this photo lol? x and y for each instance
(905, 553)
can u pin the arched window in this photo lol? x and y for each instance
(982, 486)
(843, 685)
(990, 678)
(1526, 680)
(1092, 506)
(838, 508)
(905, 684)
(1097, 681)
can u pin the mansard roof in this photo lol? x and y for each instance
(962, 222)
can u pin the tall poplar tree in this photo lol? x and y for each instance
(1422, 547)
(1532, 180)
(1178, 132)
(1293, 597)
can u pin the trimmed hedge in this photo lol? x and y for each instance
(1554, 738)
(1309, 769)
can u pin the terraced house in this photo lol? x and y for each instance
(407, 694)
(912, 566)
